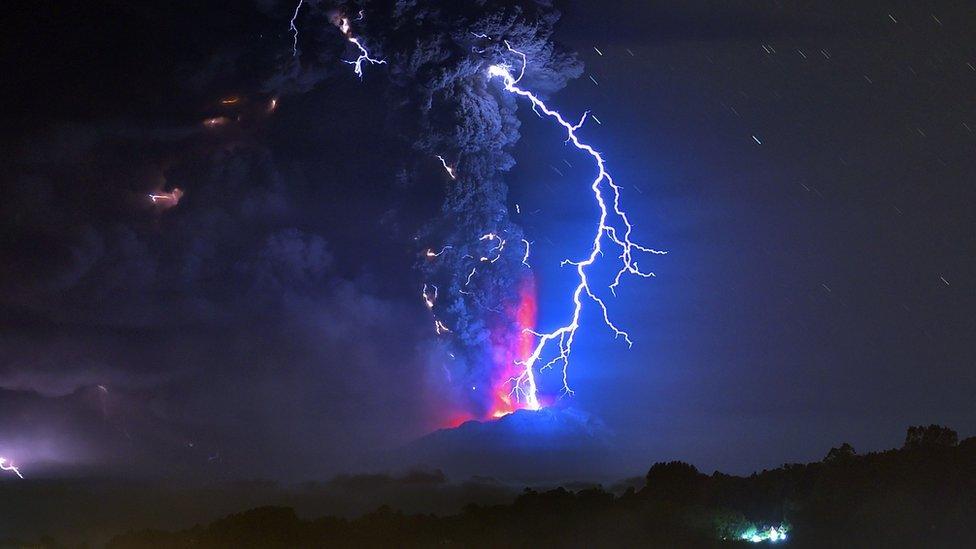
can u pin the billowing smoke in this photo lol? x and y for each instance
(437, 56)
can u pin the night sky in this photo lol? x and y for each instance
(808, 167)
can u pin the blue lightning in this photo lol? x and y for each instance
(524, 385)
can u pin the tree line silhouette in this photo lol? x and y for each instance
(920, 495)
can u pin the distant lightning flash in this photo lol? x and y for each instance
(166, 200)
(9, 467)
(524, 385)
(294, 29)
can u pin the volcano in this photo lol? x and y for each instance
(550, 445)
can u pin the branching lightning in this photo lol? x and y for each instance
(343, 23)
(9, 467)
(524, 385)
(357, 64)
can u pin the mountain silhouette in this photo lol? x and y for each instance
(545, 446)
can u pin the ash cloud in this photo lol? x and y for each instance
(443, 105)
(237, 334)
(440, 60)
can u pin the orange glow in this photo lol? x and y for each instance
(216, 122)
(232, 100)
(165, 200)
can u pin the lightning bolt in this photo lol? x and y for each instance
(166, 199)
(429, 295)
(496, 250)
(430, 253)
(616, 232)
(364, 56)
(9, 467)
(346, 29)
(294, 29)
(525, 258)
(499, 248)
(429, 298)
(448, 169)
(524, 385)
(440, 328)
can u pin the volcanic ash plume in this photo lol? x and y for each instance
(439, 60)
(475, 277)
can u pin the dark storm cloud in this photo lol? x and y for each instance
(169, 309)
(219, 336)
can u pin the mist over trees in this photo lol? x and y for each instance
(920, 495)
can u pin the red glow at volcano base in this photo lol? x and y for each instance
(510, 343)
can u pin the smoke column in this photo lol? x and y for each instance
(444, 61)
(464, 125)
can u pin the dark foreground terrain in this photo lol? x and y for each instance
(921, 495)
